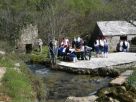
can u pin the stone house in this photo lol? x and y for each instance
(114, 31)
(28, 38)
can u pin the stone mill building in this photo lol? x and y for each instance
(28, 37)
(114, 31)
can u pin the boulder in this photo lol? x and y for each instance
(119, 80)
(82, 99)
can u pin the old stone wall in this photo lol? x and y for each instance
(129, 37)
(114, 40)
(29, 35)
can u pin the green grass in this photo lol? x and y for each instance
(39, 57)
(19, 85)
(132, 79)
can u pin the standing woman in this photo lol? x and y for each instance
(96, 46)
(106, 48)
(101, 46)
(121, 46)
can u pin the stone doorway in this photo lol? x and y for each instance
(28, 48)
(123, 37)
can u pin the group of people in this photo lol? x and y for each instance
(101, 47)
(71, 50)
(78, 50)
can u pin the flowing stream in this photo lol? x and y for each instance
(60, 85)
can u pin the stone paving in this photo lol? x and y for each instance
(113, 59)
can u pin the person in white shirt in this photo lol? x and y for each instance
(120, 46)
(96, 46)
(125, 46)
(128, 46)
(40, 43)
(66, 42)
(82, 49)
(78, 39)
(106, 48)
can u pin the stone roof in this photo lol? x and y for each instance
(114, 28)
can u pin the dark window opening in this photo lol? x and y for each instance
(28, 48)
(123, 37)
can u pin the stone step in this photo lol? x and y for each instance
(82, 99)
(122, 78)
(119, 80)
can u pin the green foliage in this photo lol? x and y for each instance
(6, 62)
(20, 83)
(60, 17)
(85, 5)
(40, 57)
(132, 80)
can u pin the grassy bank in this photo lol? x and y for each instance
(39, 57)
(132, 79)
(18, 82)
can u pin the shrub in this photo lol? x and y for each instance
(132, 80)
(40, 57)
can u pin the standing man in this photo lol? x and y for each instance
(40, 44)
(125, 46)
(55, 47)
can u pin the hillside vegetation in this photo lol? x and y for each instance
(60, 17)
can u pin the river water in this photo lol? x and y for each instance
(60, 85)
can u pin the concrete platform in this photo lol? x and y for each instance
(113, 59)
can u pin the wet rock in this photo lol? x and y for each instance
(123, 88)
(82, 99)
(116, 94)
(110, 91)
(108, 72)
(118, 81)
